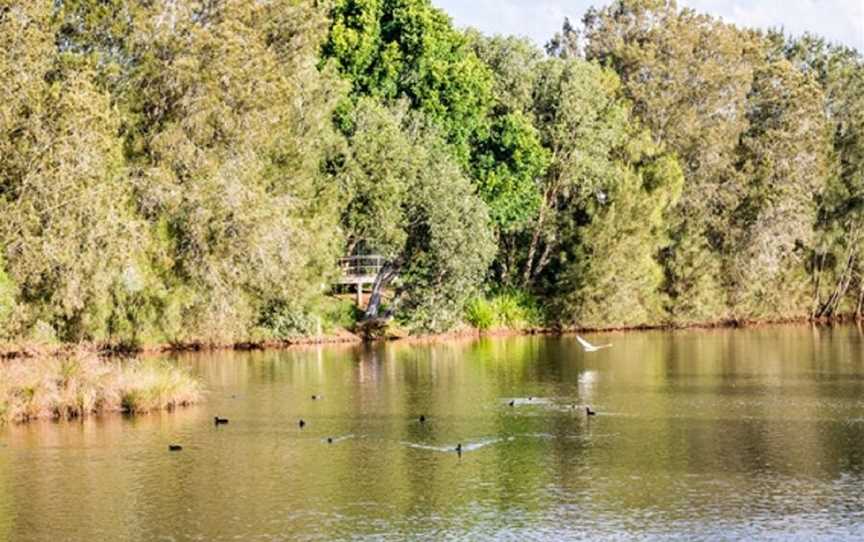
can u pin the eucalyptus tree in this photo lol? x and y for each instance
(513, 161)
(582, 122)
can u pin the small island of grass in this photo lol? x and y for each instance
(78, 385)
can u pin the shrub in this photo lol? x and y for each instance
(480, 313)
(509, 309)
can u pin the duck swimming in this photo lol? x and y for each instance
(219, 421)
(302, 424)
(174, 447)
(589, 412)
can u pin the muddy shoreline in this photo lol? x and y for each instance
(31, 350)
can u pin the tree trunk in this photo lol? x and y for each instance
(544, 258)
(845, 279)
(817, 286)
(529, 272)
(860, 307)
(387, 273)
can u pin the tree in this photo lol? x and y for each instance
(411, 202)
(565, 44)
(612, 276)
(511, 162)
(583, 123)
(391, 49)
(7, 301)
(836, 261)
(688, 76)
(231, 125)
(407, 49)
(68, 229)
(784, 163)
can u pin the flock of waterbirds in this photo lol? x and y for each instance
(587, 346)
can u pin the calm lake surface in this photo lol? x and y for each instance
(718, 435)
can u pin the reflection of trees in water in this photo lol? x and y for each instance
(691, 425)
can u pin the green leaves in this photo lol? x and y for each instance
(390, 49)
(192, 171)
(7, 299)
(410, 201)
(507, 165)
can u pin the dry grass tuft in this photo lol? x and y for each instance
(82, 384)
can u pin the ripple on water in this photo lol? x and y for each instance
(698, 436)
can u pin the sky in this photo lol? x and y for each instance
(841, 21)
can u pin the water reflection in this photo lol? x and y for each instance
(709, 434)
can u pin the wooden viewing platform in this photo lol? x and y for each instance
(359, 271)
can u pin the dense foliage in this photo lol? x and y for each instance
(192, 171)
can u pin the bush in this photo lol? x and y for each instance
(282, 321)
(509, 309)
(337, 313)
(480, 313)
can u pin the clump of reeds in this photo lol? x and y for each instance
(78, 385)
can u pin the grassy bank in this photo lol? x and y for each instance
(74, 385)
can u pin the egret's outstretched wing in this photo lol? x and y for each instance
(585, 344)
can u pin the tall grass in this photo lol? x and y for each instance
(508, 309)
(83, 384)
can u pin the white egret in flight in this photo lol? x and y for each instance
(590, 347)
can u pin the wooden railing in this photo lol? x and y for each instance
(360, 269)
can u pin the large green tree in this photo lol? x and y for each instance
(688, 76)
(784, 166)
(408, 49)
(410, 200)
(230, 125)
(837, 262)
(68, 226)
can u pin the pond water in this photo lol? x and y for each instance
(728, 434)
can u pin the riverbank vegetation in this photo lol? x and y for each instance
(78, 385)
(176, 172)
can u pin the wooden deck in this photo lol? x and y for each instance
(358, 271)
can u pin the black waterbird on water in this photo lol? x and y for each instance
(302, 424)
(422, 418)
(459, 449)
(329, 440)
(219, 421)
(589, 412)
(174, 447)
(512, 402)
